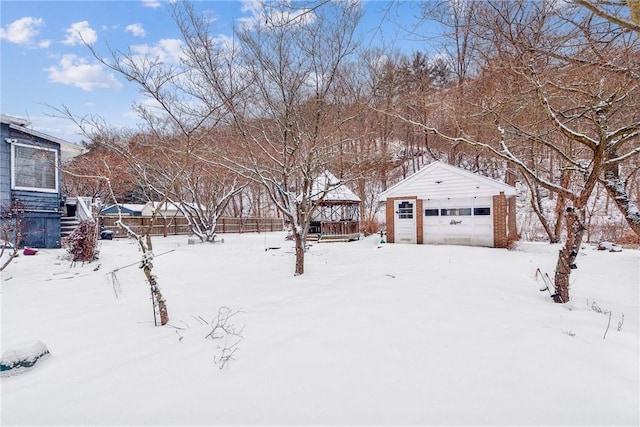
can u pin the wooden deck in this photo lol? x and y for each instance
(339, 238)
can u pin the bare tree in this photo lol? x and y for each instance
(11, 217)
(458, 42)
(295, 59)
(278, 86)
(613, 11)
(99, 161)
(202, 195)
(160, 156)
(581, 75)
(128, 147)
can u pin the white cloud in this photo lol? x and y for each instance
(60, 127)
(21, 31)
(80, 32)
(166, 50)
(135, 29)
(251, 6)
(75, 71)
(267, 15)
(44, 44)
(151, 3)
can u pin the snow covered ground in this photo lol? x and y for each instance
(370, 335)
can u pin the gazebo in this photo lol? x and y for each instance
(338, 215)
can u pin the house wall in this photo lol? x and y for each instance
(390, 218)
(390, 221)
(512, 225)
(41, 230)
(500, 221)
(5, 166)
(440, 181)
(502, 215)
(41, 223)
(419, 221)
(442, 185)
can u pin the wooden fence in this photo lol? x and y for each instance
(180, 226)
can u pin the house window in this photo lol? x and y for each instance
(405, 210)
(456, 212)
(481, 211)
(431, 212)
(34, 168)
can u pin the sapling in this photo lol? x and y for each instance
(222, 328)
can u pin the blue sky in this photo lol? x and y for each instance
(43, 61)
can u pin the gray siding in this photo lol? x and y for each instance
(43, 230)
(5, 167)
(41, 224)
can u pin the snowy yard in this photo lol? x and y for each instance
(370, 335)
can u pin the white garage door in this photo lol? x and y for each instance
(465, 221)
(405, 221)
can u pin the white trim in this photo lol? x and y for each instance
(69, 149)
(35, 189)
(83, 210)
(405, 229)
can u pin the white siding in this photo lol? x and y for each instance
(473, 230)
(441, 181)
(460, 192)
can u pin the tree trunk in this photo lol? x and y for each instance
(299, 253)
(618, 193)
(568, 254)
(536, 205)
(147, 266)
(158, 299)
(560, 205)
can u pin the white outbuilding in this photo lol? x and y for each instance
(444, 204)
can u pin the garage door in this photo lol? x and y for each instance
(465, 221)
(405, 221)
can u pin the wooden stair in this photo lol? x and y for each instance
(339, 238)
(67, 225)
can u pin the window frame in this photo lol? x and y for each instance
(486, 211)
(406, 209)
(466, 211)
(14, 184)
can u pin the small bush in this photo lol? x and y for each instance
(370, 226)
(82, 241)
(629, 240)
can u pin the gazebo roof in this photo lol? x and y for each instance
(339, 192)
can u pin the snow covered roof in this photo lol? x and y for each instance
(131, 207)
(340, 192)
(68, 149)
(440, 180)
(166, 206)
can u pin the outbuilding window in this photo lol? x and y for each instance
(456, 212)
(405, 210)
(34, 168)
(481, 211)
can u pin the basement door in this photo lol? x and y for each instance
(405, 221)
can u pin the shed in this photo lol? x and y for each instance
(168, 210)
(124, 209)
(444, 204)
(338, 215)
